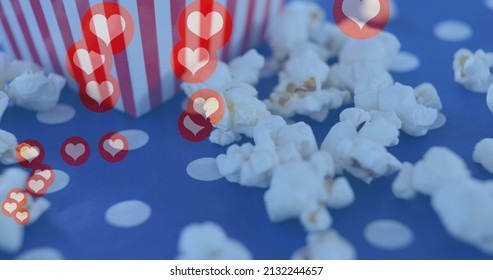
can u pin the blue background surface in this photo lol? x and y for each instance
(156, 173)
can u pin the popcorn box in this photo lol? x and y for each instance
(44, 31)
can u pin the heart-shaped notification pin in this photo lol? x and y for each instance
(361, 19)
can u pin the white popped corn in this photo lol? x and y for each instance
(328, 38)
(402, 187)
(346, 76)
(35, 91)
(381, 49)
(328, 245)
(292, 28)
(208, 241)
(416, 118)
(8, 144)
(300, 89)
(473, 69)
(483, 154)
(363, 158)
(247, 68)
(4, 102)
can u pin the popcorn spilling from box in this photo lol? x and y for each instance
(208, 241)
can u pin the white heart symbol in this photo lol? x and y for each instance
(17, 196)
(88, 62)
(191, 58)
(21, 216)
(361, 11)
(190, 125)
(29, 153)
(206, 107)
(45, 173)
(75, 151)
(36, 185)
(113, 147)
(10, 207)
(99, 92)
(107, 28)
(213, 20)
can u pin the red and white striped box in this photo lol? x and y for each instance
(43, 30)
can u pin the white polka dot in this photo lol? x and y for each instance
(489, 4)
(441, 121)
(136, 138)
(388, 234)
(60, 114)
(41, 253)
(453, 31)
(128, 214)
(61, 181)
(204, 169)
(405, 62)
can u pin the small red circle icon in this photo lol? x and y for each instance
(75, 151)
(44, 171)
(361, 19)
(36, 185)
(207, 103)
(29, 153)
(10, 207)
(194, 127)
(108, 24)
(100, 95)
(85, 63)
(193, 64)
(22, 217)
(113, 147)
(18, 195)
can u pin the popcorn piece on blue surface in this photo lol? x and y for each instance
(293, 27)
(9, 70)
(416, 118)
(402, 187)
(35, 91)
(8, 144)
(242, 113)
(489, 98)
(275, 143)
(11, 233)
(363, 158)
(328, 245)
(473, 69)
(483, 154)
(221, 77)
(4, 102)
(300, 89)
(381, 49)
(247, 68)
(344, 76)
(329, 38)
(465, 210)
(208, 241)
(340, 193)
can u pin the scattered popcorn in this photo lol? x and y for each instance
(329, 39)
(219, 78)
(34, 91)
(483, 154)
(328, 245)
(402, 186)
(208, 241)
(292, 28)
(12, 234)
(300, 89)
(303, 190)
(381, 49)
(9, 70)
(363, 158)
(489, 98)
(243, 111)
(275, 143)
(247, 68)
(473, 69)
(4, 102)
(465, 211)
(8, 144)
(416, 118)
(346, 76)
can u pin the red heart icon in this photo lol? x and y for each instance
(10, 207)
(37, 185)
(22, 217)
(18, 195)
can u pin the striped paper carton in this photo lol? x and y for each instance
(44, 30)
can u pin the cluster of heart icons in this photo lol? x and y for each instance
(205, 26)
(107, 29)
